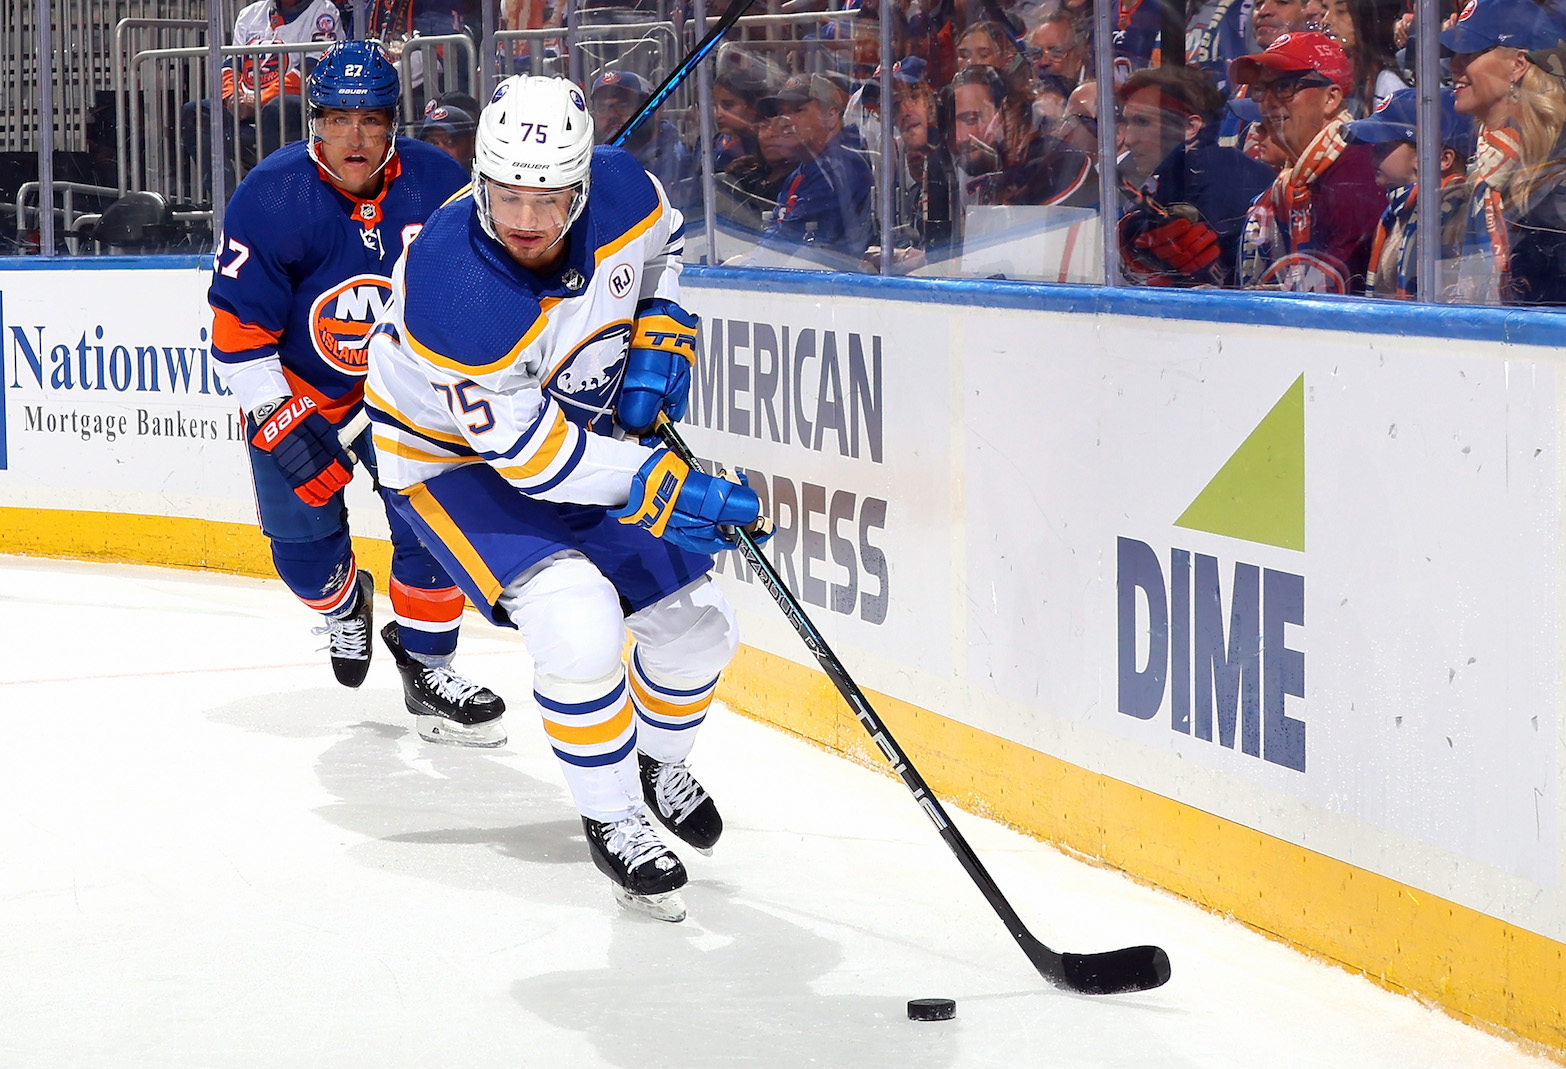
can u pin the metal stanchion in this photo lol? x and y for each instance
(888, 176)
(1427, 74)
(45, 130)
(215, 119)
(709, 184)
(1104, 13)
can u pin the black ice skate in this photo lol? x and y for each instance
(680, 802)
(647, 876)
(445, 706)
(348, 637)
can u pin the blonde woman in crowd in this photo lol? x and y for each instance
(1537, 220)
(1515, 104)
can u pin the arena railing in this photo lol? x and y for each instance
(432, 65)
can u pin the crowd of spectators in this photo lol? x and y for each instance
(1276, 153)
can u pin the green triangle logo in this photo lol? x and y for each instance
(1259, 493)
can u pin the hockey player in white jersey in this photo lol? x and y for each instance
(534, 332)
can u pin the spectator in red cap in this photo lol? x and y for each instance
(1312, 230)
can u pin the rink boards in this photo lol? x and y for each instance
(1255, 599)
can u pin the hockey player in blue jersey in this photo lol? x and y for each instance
(309, 240)
(534, 332)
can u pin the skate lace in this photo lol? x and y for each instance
(633, 841)
(450, 686)
(347, 637)
(678, 789)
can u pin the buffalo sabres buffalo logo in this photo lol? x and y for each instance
(577, 101)
(341, 318)
(620, 279)
(587, 383)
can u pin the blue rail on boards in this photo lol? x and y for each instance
(1517, 326)
(106, 263)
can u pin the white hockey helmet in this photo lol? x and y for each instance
(535, 133)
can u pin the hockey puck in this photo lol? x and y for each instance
(932, 1009)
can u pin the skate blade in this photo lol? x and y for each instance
(488, 735)
(668, 906)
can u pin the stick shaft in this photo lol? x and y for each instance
(863, 712)
(680, 73)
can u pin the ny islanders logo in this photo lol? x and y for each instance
(586, 382)
(341, 318)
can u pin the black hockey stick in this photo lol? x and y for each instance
(1108, 973)
(680, 73)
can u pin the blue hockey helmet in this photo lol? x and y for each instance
(354, 74)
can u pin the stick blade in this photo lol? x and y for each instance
(1114, 972)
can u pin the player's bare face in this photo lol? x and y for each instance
(530, 223)
(353, 147)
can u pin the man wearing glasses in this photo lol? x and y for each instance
(1057, 48)
(1312, 230)
(301, 272)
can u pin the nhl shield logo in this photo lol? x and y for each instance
(573, 280)
(620, 280)
(367, 210)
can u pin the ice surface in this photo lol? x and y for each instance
(213, 856)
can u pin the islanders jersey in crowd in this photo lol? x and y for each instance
(478, 360)
(262, 23)
(303, 270)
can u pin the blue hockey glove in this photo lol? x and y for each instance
(305, 448)
(658, 366)
(689, 508)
